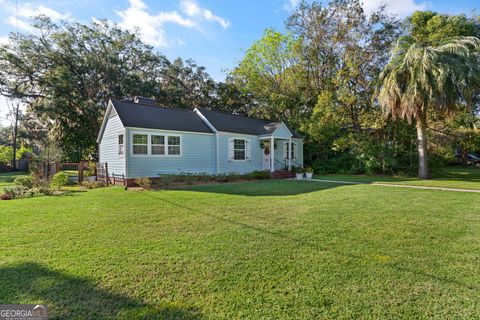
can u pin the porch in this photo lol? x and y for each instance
(279, 155)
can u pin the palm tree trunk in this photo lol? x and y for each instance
(422, 147)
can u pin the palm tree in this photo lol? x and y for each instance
(418, 78)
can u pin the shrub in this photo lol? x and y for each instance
(90, 169)
(144, 182)
(93, 184)
(25, 181)
(42, 184)
(59, 180)
(227, 177)
(260, 175)
(167, 179)
(17, 192)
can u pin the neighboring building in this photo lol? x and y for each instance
(139, 139)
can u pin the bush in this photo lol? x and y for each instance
(25, 181)
(166, 179)
(260, 175)
(42, 184)
(59, 180)
(17, 192)
(144, 182)
(93, 184)
(90, 169)
(227, 177)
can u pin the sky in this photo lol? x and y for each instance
(214, 33)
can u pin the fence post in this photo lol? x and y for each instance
(107, 179)
(81, 165)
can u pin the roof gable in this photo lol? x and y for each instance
(110, 112)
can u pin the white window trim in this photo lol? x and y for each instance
(247, 141)
(149, 144)
(165, 151)
(118, 144)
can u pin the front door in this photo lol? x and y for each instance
(266, 158)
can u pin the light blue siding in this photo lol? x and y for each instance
(243, 166)
(282, 132)
(197, 156)
(198, 153)
(108, 146)
(280, 152)
(299, 143)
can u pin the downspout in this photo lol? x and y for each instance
(217, 151)
(126, 149)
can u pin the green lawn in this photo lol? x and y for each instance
(450, 177)
(253, 250)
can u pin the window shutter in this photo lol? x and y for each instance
(247, 149)
(285, 150)
(230, 150)
(294, 148)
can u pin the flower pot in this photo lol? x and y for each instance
(299, 176)
(309, 175)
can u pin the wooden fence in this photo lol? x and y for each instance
(109, 177)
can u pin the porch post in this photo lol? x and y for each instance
(272, 154)
(289, 155)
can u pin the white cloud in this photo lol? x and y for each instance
(192, 9)
(27, 11)
(400, 7)
(151, 26)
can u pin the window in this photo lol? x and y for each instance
(174, 145)
(157, 144)
(120, 145)
(140, 144)
(291, 150)
(239, 149)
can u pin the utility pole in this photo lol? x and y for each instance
(15, 134)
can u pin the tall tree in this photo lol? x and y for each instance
(67, 72)
(421, 77)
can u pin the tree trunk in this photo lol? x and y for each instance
(422, 147)
(464, 156)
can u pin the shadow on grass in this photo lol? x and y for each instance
(286, 237)
(263, 188)
(73, 297)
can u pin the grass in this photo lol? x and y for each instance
(253, 250)
(450, 177)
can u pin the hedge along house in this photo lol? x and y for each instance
(140, 139)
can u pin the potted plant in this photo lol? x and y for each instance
(298, 173)
(309, 173)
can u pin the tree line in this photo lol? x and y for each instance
(365, 91)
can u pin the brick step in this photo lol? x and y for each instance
(282, 174)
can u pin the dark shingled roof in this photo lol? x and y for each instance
(152, 117)
(139, 115)
(240, 124)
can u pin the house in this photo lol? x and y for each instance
(139, 139)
